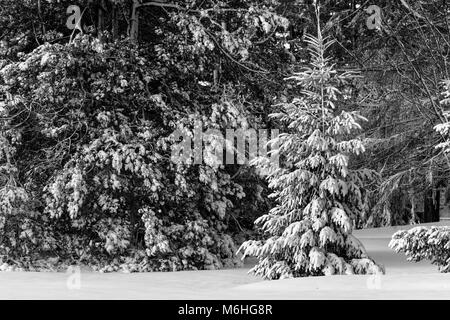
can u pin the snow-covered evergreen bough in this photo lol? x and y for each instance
(320, 199)
(422, 243)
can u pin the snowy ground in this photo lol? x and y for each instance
(403, 280)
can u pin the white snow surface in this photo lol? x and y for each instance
(403, 280)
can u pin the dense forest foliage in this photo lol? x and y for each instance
(92, 92)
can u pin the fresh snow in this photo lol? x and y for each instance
(403, 280)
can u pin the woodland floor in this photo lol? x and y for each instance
(403, 280)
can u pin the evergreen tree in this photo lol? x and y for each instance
(320, 198)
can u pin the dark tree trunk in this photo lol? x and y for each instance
(134, 27)
(101, 16)
(115, 22)
(431, 206)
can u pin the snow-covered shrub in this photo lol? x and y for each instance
(85, 164)
(91, 120)
(423, 243)
(321, 199)
(193, 244)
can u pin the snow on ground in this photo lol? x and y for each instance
(403, 280)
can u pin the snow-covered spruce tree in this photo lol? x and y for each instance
(320, 199)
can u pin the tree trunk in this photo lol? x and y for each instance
(101, 17)
(134, 28)
(41, 21)
(431, 206)
(115, 22)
